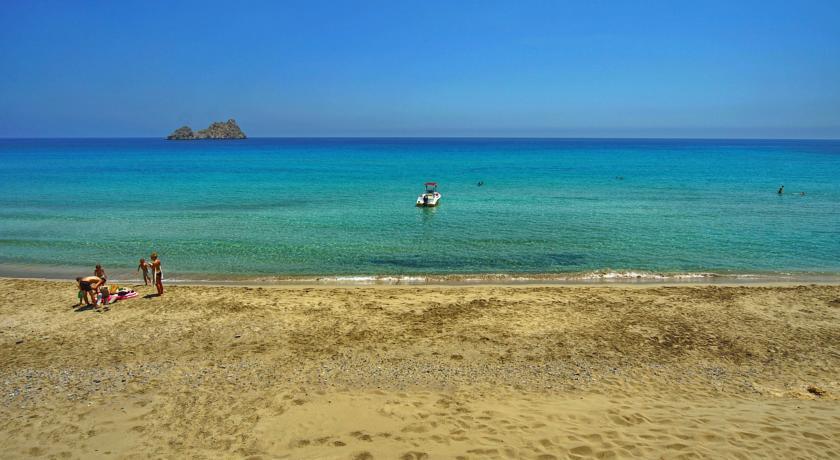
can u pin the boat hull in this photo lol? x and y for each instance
(431, 200)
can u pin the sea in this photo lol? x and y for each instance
(343, 210)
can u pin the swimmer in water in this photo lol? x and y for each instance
(781, 189)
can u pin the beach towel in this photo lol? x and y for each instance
(128, 295)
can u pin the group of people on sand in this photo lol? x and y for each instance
(91, 286)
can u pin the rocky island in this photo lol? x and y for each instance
(217, 130)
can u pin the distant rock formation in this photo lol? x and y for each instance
(218, 130)
(182, 133)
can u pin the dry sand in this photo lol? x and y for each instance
(422, 372)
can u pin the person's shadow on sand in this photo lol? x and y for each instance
(151, 296)
(87, 307)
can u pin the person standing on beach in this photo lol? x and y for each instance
(157, 273)
(144, 267)
(100, 272)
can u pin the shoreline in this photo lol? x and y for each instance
(600, 276)
(626, 279)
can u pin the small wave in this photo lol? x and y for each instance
(630, 275)
(373, 280)
(485, 278)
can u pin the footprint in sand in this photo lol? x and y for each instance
(361, 436)
(581, 451)
(810, 435)
(415, 428)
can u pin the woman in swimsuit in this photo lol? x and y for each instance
(158, 273)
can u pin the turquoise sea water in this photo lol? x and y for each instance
(345, 207)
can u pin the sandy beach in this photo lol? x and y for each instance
(422, 372)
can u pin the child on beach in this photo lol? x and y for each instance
(100, 272)
(145, 268)
(104, 295)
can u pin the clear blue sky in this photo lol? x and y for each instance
(640, 68)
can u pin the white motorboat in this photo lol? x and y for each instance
(430, 197)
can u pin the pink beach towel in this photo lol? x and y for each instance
(113, 297)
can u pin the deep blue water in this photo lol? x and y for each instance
(263, 207)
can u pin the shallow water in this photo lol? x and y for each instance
(296, 207)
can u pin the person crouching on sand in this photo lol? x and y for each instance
(144, 267)
(158, 273)
(89, 285)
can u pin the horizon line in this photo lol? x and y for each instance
(445, 137)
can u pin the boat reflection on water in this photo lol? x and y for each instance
(427, 215)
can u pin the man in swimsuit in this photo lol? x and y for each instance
(90, 285)
(157, 273)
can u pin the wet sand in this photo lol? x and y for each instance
(422, 372)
